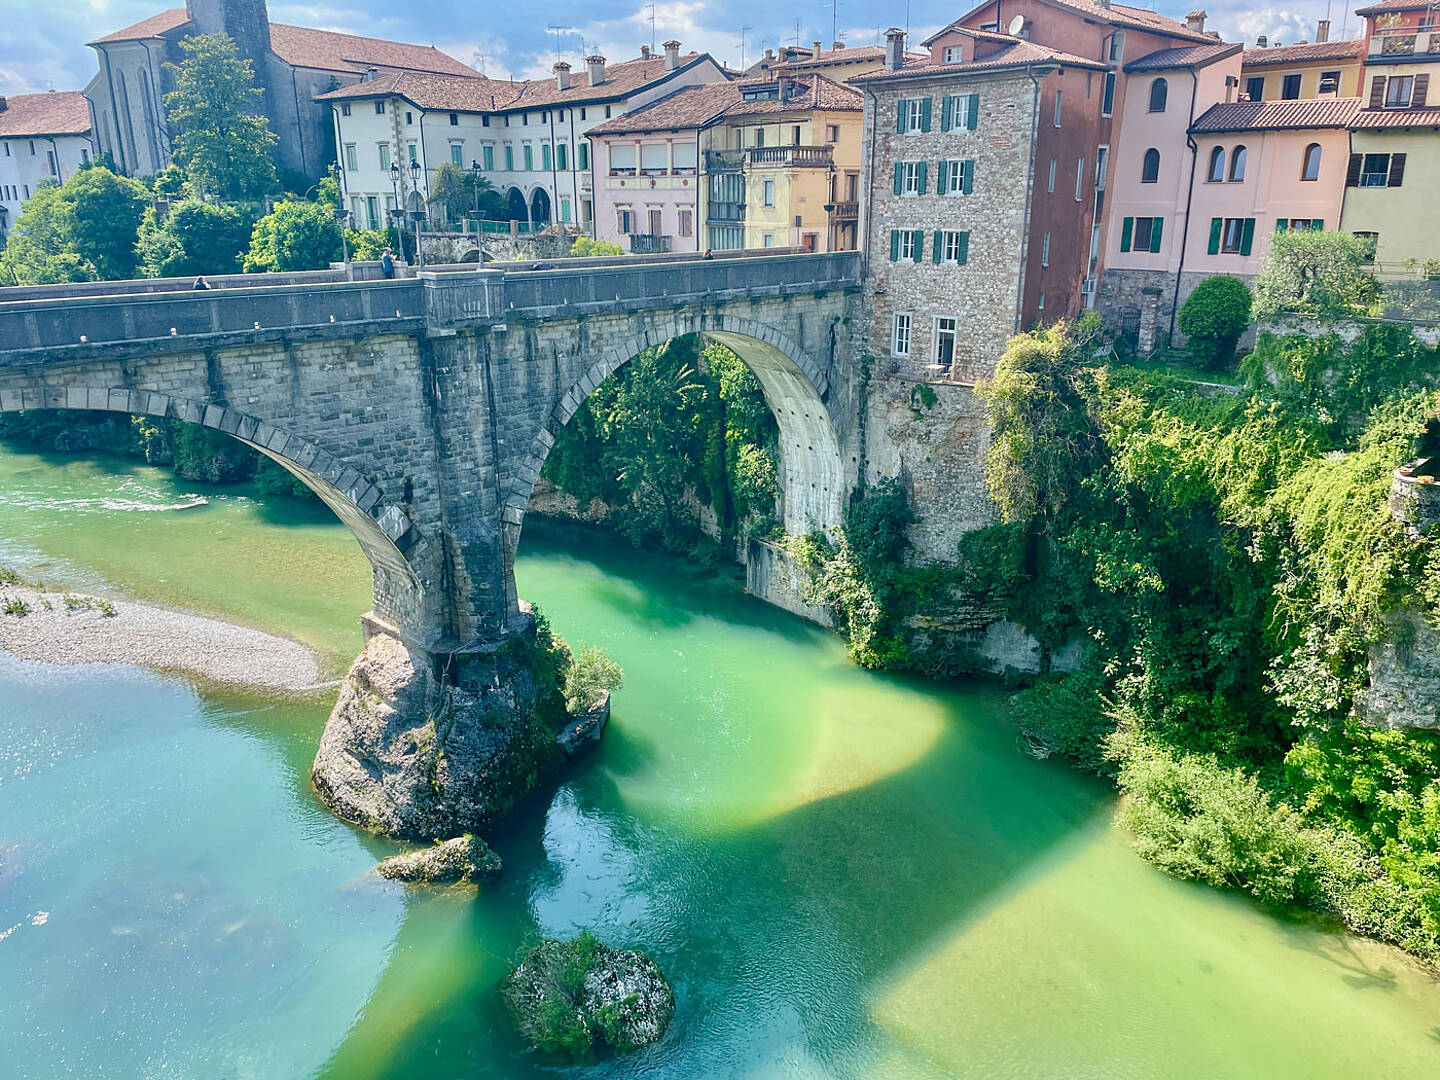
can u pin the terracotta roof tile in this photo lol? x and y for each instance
(1397, 118)
(58, 112)
(301, 46)
(815, 92)
(691, 107)
(1314, 52)
(1187, 56)
(1277, 115)
(621, 80)
(1393, 5)
(1115, 15)
(472, 93)
(1018, 54)
(153, 27)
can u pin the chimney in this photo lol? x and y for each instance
(1195, 21)
(644, 52)
(784, 88)
(1262, 42)
(1104, 4)
(672, 55)
(837, 45)
(816, 50)
(894, 48)
(562, 75)
(371, 74)
(1322, 31)
(596, 64)
(3, 103)
(769, 54)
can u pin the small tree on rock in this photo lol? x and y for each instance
(224, 146)
(590, 676)
(1214, 316)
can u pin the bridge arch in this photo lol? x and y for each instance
(384, 531)
(796, 387)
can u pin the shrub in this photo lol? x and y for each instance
(1214, 316)
(589, 677)
(584, 247)
(1317, 273)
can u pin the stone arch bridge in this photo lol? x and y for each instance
(421, 409)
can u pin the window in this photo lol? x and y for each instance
(487, 157)
(1255, 88)
(410, 151)
(379, 108)
(656, 219)
(351, 162)
(910, 178)
(454, 119)
(1045, 250)
(832, 133)
(1231, 236)
(768, 193)
(1159, 90)
(795, 135)
(345, 111)
(952, 246)
(1398, 89)
(759, 137)
(484, 121)
(955, 176)
(409, 117)
(686, 219)
(960, 112)
(510, 158)
(900, 336)
(1058, 95)
(1376, 170)
(1040, 304)
(1102, 166)
(582, 155)
(623, 219)
(582, 114)
(1374, 238)
(1150, 167)
(912, 114)
(84, 156)
(1141, 234)
(623, 159)
(1216, 172)
(1050, 185)
(954, 54)
(1237, 164)
(1329, 82)
(1079, 177)
(545, 156)
(1107, 97)
(564, 209)
(607, 112)
(946, 330)
(1290, 87)
(560, 157)
(906, 245)
(767, 240)
(1302, 223)
(384, 156)
(457, 155)
(529, 152)
(1115, 47)
(1310, 164)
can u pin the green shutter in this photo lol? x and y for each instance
(1318, 224)
(938, 240)
(894, 245)
(920, 182)
(1247, 236)
(925, 114)
(900, 117)
(967, 176)
(1156, 224)
(582, 152)
(919, 245)
(1216, 225)
(1281, 224)
(947, 112)
(942, 173)
(1127, 227)
(964, 248)
(899, 176)
(972, 114)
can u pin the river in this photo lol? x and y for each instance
(845, 875)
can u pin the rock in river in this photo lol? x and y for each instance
(465, 858)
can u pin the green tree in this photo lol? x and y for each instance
(1214, 316)
(195, 238)
(588, 678)
(224, 146)
(84, 230)
(584, 247)
(294, 236)
(1326, 274)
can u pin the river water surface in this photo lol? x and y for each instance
(845, 875)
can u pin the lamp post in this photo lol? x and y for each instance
(418, 214)
(395, 191)
(342, 219)
(479, 236)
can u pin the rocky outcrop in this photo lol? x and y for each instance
(1404, 690)
(584, 731)
(465, 858)
(580, 997)
(411, 755)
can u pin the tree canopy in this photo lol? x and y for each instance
(294, 236)
(1325, 274)
(194, 238)
(83, 230)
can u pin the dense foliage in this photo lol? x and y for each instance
(588, 678)
(194, 238)
(1214, 316)
(584, 247)
(1324, 274)
(296, 235)
(82, 230)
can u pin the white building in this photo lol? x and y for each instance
(43, 137)
(527, 137)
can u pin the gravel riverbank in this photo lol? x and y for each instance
(83, 632)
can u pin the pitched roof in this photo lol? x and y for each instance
(153, 27)
(1133, 18)
(860, 54)
(621, 80)
(1186, 56)
(1314, 52)
(300, 46)
(1277, 115)
(1397, 118)
(1393, 5)
(462, 93)
(690, 107)
(1017, 54)
(57, 112)
(812, 92)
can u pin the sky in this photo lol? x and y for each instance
(45, 48)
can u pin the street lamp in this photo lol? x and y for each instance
(342, 219)
(418, 214)
(396, 210)
(479, 237)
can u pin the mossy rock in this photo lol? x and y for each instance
(579, 998)
(465, 858)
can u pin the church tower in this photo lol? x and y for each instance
(246, 21)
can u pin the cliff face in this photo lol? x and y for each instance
(1404, 690)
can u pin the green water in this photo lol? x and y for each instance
(845, 876)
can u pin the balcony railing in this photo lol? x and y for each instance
(847, 211)
(786, 157)
(648, 244)
(1404, 41)
(725, 211)
(724, 160)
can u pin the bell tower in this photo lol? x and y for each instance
(246, 21)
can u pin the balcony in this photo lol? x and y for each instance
(648, 244)
(1404, 41)
(724, 160)
(722, 213)
(790, 157)
(847, 211)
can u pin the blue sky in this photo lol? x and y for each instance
(45, 47)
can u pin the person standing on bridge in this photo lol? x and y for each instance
(200, 283)
(387, 263)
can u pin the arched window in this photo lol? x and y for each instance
(1217, 165)
(1237, 163)
(1150, 169)
(1159, 90)
(1310, 168)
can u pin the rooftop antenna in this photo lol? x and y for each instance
(834, 6)
(652, 28)
(743, 31)
(557, 31)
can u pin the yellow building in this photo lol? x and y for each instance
(782, 166)
(1288, 72)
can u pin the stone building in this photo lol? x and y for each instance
(43, 139)
(292, 64)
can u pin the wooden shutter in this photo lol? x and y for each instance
(1127, 228)
(894, 245)
(899, 176)
(967, 176)
(1156, 224)
(1216, 225)
(947, 112)
(1377, 92)
(1281, 224)
(900, 116)
(972, 116)
(939, 241)
(1247, 236)
(964, 248)
(1397, 170)
(920, 179)
(1422, 88)
(925, 114)
(1352, 174)
(919, 245)
(942, 173)
(1318, 224)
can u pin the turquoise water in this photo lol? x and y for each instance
(845, 875)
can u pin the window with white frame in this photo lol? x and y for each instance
(954, 54)
(900, 336)
(946, 331)
(953, 243)
(768, 193)
(1079, 178)
(1050, 187)
(384, 152)
(912, 112)
(352, 162)
(910, 177)
(624, 219)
